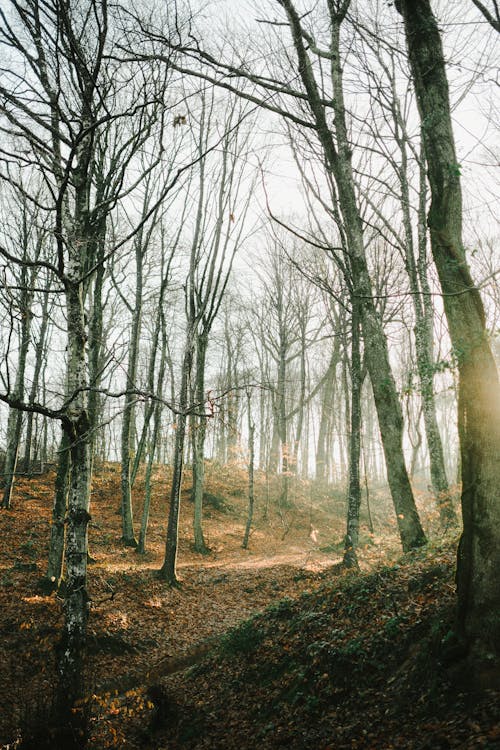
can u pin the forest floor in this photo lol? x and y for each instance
(258, 648)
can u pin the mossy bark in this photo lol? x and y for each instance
(478, 561)
(338, 157)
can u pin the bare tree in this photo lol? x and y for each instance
(21, 293)
(311, 103)
(479, 390)
(57, 100)
(380, 69)
(212, 249)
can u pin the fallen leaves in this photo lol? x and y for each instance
(328, 666)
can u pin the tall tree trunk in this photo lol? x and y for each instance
(39, 359)
(199, 422)
(263, 426)
(422, 306)
(294, 448)
(438, 471)
(273, 459)
(478, 563)
(76, 426)
(338, 158)
(327, 401)
(168, 569)
(251, 462)
(282, 421)
(354, 492)
(14, 425)
(54, 575)
(128, 536)
(14, 422)
(95, 343)
(157, 410)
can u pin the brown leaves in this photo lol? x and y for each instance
(293, 685)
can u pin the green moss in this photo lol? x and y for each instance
(243, 639)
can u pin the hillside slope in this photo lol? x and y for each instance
(335, 661)
(360, 662)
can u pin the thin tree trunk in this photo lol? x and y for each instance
(128, 536)
(141, 546)
(251, 462)
(14, 422)
(376, 353)
(168, 569)
(39, 359)
(200, 428)
(54, 575)
(426, 370)
(354, 493)
(95, 344)
(327, 402)
(294, 448)
(424, 323)
(338, 158)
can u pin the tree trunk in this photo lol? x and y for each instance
(294, 448)
(327, 401)
(54, 575)
(387, 402)
(338, 158)
(168, 569)
(95, 344)
(76, 425)
(128, 536)
(14, 422)
(354, 493)
(478, 563)
(251, 463)
(200, 428)
(424, 321)
(14, 425)
(141, 546)
(39, 358)
(438, 471)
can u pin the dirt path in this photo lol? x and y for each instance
(160, 630)
(311, 560)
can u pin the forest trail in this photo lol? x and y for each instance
(220, 595)
(312, 560)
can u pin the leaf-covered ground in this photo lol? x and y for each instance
(259, 648)
(362, 662)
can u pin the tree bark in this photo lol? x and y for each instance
(478, 563)
(39, 358)
(417, 275)
(251, 464)
(14, 422)
(54, 575)
(156, 431)
(128, 536)
(76, 426)
(350, 559)
(96, 342)
(327, 401)
(338, 159)
(199, 433)
(168, 570)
